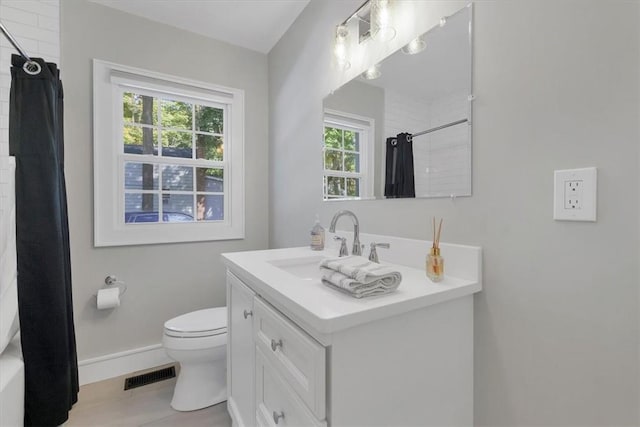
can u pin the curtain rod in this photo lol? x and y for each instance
(30, 66)
(13, 41)
(457, 122)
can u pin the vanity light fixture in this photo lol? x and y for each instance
(374, 18)
(372, 73)
(340, 48)
(416, 45)
(381, 28)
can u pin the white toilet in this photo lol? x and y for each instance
(198, 340)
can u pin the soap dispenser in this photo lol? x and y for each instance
(317, 236)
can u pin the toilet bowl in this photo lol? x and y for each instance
(198, 341)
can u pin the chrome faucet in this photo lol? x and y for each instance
(357, 249)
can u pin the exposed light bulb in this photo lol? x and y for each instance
(443, 21)
(416, 45)
(340, 49)
(381, 28)
(372, 73)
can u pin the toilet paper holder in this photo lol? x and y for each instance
(110, 301)
(112, 280)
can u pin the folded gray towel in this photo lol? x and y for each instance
(359, 277)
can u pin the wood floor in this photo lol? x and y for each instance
(106, 404)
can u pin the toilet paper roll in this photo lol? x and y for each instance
(108, 298)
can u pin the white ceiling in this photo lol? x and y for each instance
(254, 24)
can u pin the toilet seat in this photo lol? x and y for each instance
(202, 323)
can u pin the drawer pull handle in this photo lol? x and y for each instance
(248, 313)
(277, 416)
(274, 345)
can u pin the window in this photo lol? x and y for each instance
(347, 156)
(168, 158)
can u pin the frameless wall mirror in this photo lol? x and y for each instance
(403, 127)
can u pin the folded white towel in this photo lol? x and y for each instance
(359, 277)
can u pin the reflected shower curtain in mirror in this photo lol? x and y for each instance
(399, 177)
(42, 242)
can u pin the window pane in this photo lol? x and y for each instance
(176, 114)
(140, 207)
(140, 140)
(209, 119)
(177, 207)
(353, 187)
(210, 180)
(335, 186)
(350, 140)
(332, 137)
(210, 207)
(209, 147)
(351, 162)
(139, 109)
(333, 160)
(177, 144)
(140, 176)
(177, 178)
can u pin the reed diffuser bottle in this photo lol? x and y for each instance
(435, 263)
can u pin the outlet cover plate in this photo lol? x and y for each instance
(575, 194)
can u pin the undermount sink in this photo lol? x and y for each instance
(306, 268)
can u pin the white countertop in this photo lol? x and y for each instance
(328, 310)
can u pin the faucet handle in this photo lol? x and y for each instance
(343, 245)
(373, 255)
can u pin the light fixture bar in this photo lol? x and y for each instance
(356, 14)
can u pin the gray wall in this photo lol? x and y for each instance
(163, 280)
(556, 326)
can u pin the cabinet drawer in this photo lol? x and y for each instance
(299, 359)
(276, 403)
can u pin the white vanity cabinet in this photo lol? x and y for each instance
(240, 352)
(309, 355)
(275, 371)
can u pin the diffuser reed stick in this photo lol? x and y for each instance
(435, 263)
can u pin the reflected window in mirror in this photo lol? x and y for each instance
(347, 156)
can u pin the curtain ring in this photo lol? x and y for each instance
(32, 68)
(394, 142)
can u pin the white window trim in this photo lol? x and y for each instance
(366, 126)
(109, 226)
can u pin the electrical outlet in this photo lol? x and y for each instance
(574, 195)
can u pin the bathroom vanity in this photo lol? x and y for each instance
(301, 353)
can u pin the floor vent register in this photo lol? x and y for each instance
(149, 378)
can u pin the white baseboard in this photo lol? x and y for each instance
(116, 364)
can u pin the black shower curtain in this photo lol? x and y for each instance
(42, 233)
(399, 176)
